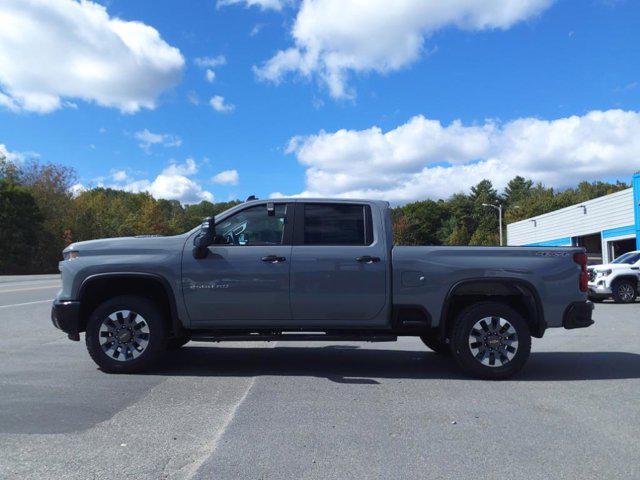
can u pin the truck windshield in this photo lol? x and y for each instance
(628, 258)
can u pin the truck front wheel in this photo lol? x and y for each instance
(624, 291)
(126, 334)
(490, 340)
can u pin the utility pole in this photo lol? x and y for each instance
(499, 208)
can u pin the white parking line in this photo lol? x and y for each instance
(28, 303)
(191, 470)
(30, 288)
(29, 283)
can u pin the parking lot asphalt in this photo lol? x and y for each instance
(315, 411)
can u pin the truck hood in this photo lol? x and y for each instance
(127, 244)
(610, 266)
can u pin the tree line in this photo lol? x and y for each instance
(463, 220)
(39, 215)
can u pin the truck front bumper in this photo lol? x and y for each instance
(578, 315)
(599, 289)
(65, 315)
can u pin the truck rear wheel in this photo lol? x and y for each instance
(624, 291)
(490, 340)
(435, 344)
(126, 334)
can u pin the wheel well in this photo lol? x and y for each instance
(97, 290)
(520, 296)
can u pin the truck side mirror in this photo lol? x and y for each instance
(204, 238)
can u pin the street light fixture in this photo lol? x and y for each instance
(499, 208)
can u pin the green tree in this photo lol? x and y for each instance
(459, 221)
(194, 214)
(485, 219)
(21, 228)
(518, 189)
(420, 223)
(50, 186)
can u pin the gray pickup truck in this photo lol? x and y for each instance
(315, 269)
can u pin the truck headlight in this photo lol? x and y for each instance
(70, 255)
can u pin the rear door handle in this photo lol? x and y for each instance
(367, 259)
(273, 259)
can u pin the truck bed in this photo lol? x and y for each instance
(426, 275)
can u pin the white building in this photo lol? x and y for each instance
(607, 226)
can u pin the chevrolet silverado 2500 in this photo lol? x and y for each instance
(315, 269)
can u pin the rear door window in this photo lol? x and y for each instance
(337, 224)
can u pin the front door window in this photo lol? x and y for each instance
(254, 227)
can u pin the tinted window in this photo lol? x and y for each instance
(336, 224)
(629, 258)
(253, 226)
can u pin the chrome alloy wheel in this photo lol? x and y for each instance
(625, 291)
(493, 341)
(124, 335)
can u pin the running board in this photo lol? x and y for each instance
(291, 337)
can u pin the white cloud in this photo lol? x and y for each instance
(257, 28)
(172, 184)
(210, 62)
(262, 4)
(220, 105)
(147, 139)
(52, 51)
(16, 157)
(6, 154)
(172, 187)
(333, 38)
(227, 177)
(119, 175)
(425, 159)
(77, 188)
(193, 98)
(189, 167)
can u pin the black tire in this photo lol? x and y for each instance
(624, 291)
(156, 337)
(435, 344)
(461, 347)
(177, 342)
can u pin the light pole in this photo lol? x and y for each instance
(499, 208)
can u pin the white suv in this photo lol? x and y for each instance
(618, 279)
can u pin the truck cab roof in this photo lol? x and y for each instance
(380, 203)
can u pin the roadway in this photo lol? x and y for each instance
(314, 411)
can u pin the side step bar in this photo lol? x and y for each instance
(291, 337)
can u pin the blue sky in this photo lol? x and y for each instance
(552, 92)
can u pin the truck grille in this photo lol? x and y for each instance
(592, 274)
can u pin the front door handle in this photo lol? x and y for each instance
(367, 259)
(273, 259)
